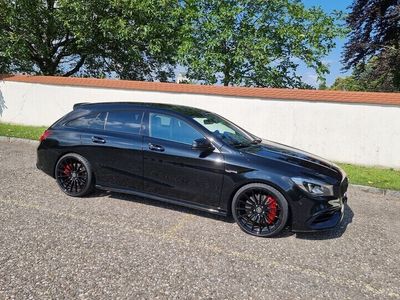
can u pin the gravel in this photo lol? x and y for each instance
(116, 246)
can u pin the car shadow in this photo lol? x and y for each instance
(160, 204)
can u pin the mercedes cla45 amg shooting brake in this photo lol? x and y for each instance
(195, 158)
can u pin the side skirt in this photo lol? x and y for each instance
(208, 209)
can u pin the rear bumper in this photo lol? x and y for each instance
(45, 160)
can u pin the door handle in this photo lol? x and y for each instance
(156, 147)
(98, 140)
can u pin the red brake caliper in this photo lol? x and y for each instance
(272, 209)
(67, 169)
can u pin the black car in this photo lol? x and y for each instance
(195, 158)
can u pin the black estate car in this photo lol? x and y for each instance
(195, 158)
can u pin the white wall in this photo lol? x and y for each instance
(353, 133)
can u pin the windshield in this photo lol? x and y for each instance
(225, 130)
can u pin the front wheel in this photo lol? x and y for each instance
(74, 175)
(260, 210)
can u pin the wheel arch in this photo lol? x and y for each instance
(261, 181)
(62, 154)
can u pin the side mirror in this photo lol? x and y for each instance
(202, 144)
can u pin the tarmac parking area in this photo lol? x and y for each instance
(118, 246)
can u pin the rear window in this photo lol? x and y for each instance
(92, 121)
(124, 121)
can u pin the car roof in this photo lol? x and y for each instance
(180, 109)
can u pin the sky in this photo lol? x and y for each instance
(333, 60)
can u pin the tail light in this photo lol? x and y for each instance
(45, 135)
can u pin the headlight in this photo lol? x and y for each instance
(313, 187)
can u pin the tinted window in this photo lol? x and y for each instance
(172, 129)
(124, 121)
(92, 121)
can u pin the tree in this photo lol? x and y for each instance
(348, 83)
(4, 60)
(135, 39)
(322, 86)
(36, 39)
(375, 41)
(128, 39)
(255, 42)
(375, 75)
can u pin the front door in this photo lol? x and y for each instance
(173, 169)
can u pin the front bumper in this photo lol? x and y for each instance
(319, 214)
(328, 215)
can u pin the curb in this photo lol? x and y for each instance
(18, 140)
(374, 190)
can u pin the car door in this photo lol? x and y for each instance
(173, 169)
(115, 151)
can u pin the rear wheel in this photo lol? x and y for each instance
(260, 210)
(74, 175)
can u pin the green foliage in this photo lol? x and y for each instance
(377, 75)
(348, 83)
(255, 42)
(4, 57)
(131, 39)
(380, 73)
(35, 38)
(251, 43)
(323, 86)
(4, 63)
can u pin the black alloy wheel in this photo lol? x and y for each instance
(260, 210)
(73, 174)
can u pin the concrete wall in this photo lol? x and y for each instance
(354, 133)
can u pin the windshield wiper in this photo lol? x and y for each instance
(241, 145)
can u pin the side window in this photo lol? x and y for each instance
(91, 121)
(172, 129)
(124, 121)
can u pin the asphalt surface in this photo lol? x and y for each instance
(117, 246)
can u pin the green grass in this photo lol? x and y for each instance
(21, 131)
(372, 176)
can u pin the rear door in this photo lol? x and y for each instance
(115, 151)
(173, 169)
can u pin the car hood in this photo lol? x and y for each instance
(272, 150)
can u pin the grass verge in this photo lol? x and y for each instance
(369, 176)
(372, 176)
(21, 131)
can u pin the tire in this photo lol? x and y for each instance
(74, 175)
(260, 210)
